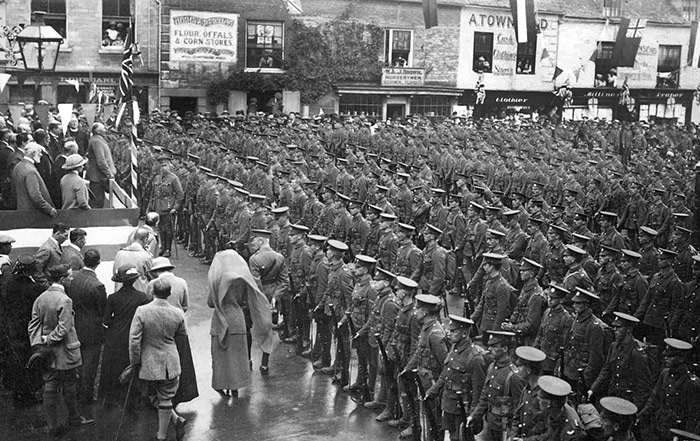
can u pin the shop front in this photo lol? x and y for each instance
(502, 103)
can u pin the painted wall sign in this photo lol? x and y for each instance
(203, 36)
(403, 76)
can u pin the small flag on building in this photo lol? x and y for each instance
(557, 71)
(692, 45)
(545, 54)
(430, 13)
(524, 20)
(629, 36)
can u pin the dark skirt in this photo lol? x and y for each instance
(187, 391)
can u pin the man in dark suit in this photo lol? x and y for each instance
(71, 255)
(100, 168)
(89, 300)
(50, 252)
(8, 158)
(28, 184)
(152, 347)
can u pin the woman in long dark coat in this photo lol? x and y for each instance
(119, 312)
(20, 291)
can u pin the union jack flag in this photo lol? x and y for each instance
(126, 80)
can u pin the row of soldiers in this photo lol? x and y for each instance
(496, 250)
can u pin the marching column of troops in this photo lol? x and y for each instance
(570, 247)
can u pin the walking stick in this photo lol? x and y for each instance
(126, 401)
(173, 224)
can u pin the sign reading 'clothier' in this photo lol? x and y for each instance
(203, 36)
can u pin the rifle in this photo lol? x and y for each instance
(466, 433)
(365, 395)
(434, 429)
(409, 387)
(559, 364)
(388, 373)
(343, 381)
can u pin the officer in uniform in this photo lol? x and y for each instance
(628, 294)
(675, 400)
(358, 310)
(585, 348)
(529, 419)
(402, 344)
(464, 373)
(662, 296)
(527, 314)
(551, 336)
(166, 200)
(431, 350)
(335, 301)
(618, 417)
(625, 373)
(502, 388)
(380, 326)
(301, 299)
(432, 278)
(494, 306)
(409, 257)
(649, 264)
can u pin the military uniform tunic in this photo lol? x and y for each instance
(494, 306)
(464, 371)
(501, 377)
(432, 277)
(408, 262)
(527, 313)
(674, 403)
(551, 335)
(430, 352)
(584, 348)
(404, 338)
(625, 373)
(629, 294)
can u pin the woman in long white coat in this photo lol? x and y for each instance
(231, 288)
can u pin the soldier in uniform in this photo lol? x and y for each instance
(335, 301)
(537, 245)
(630, 292)
(404, 198)
(316, 286)
(402, 344)
(618, 417)
(502, 388)
(464, 373)
(579, 227)
(561, 420)
(494, 306)
(432, 279)
(438, 213)
(575, 276)
(683, 264)
(527, 314)
(240, 221)
(431, 350)
(660, 301)
(675, 400)
(194, 180)
(358, 310)
(301, 298)
(454, 234)
(371, 247)
(281, 229)
(343, 222)
(380, 326)
(529, 419)
(587, 262)
(649, 263)
(609, 235)
(388, 241)
(311, 215)
(608, 280)
(585, 348)
(516, 239)
(382, 201)
(166, 200)
(258, 218)
(625, 373)
(659, 217)
(359, 229)
(409, 257)
(685, 322)
(551, 336)
(634, 214)
(554, 266)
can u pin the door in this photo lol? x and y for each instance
(395, 111)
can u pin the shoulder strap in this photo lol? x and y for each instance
(506, 391)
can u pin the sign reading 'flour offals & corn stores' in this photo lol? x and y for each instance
(197, 36)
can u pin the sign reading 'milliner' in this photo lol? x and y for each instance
(203, 36)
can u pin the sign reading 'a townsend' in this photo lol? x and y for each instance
(203, 36)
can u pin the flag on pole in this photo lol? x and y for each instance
(524, 20)
(430, 13)
(629, 36)
(692, 46)
(126, 80)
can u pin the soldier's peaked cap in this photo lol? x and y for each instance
(511, 212)
(678, 345)
(583, 295)
(280, 210)
(629, 254)
(573, 249)
(433, 229)
(649, 231)
(459, 322)
(496, 233)
(493, 257)
(317, 238)
(528, 353)
(261, 233)
(388, 216)
(300, 228)
(622, 319)
(407, 228)
(618, 406)
(558, 291)
(530, 265)
(667, 254)
(365, 260)
(553, 386)
(257, 197)
(385, 273)
(428, 301)
(337, 245)
(405, 282)
(608, 214)
(496, 337)
(684, 435)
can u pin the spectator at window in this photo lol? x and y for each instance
(400, 62)
(599, 81)
(611, 80)
(266, 61)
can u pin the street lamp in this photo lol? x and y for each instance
(39, 45)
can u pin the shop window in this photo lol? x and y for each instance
(431, 105)
(24, 94)
(68, 94)
(604, 73)
(264, 45)
(611, 8)
(525, 63)
(483, 51)
(667, 72)
(357, 104)
(690, 10)
(116, 16)
(398, 47)
(55, 13)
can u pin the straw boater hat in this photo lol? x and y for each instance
(74, 161)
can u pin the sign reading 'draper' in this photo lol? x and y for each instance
(403, 76)
(203, 36)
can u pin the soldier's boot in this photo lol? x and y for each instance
(407, 407)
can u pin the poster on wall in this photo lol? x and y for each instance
(197, 36)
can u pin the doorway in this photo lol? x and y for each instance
(395, 111)
(183, 104)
